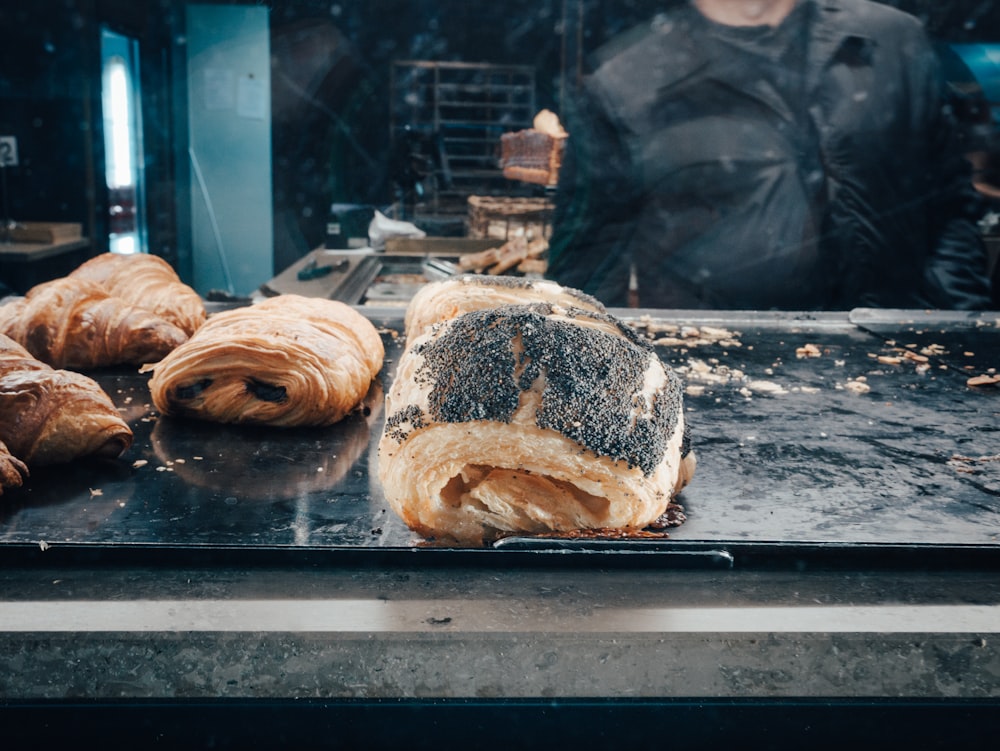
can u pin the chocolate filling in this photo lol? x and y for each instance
(267, 392)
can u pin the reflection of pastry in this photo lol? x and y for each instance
(443, 300)
(531, 419)
(50, 416)
(73, 323)
(286, 361)
(257, 463)
(149, 282)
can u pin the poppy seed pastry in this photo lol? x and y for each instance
(531, 419)
(443, 300)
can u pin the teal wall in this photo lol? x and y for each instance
(229, 147)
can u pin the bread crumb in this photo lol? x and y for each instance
(858, 386)
(766, 387)
(983, 380)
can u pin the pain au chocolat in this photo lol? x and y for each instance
(535, 419)
(287, 361)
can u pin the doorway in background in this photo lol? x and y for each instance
(123, 153)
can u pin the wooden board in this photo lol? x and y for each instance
(46, 232)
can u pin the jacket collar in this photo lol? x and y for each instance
(836, 24)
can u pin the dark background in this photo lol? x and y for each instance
(330, 80)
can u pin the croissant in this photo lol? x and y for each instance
(443, 300)
(50, 416)
(531, 419)
(73, 323)
(148, 282)
(12, 470)
(286, 361)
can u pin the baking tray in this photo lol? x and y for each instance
(814, 445)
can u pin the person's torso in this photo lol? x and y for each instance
(759, 152)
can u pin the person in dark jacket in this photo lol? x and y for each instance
(768, 154)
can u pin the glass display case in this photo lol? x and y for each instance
(835, 580)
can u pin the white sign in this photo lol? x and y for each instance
(251, 98)
(219, 89)
(8, 151)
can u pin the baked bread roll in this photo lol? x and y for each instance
(286, 361)
(148, 282)
(73, 323)
(50, 416)
(531, 419)
(443, 300)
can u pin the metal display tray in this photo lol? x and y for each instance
(818, 439)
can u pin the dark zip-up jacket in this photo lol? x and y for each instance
(716, 191)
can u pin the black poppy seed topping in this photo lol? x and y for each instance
(396, 423)
(584, 298)
(480, 364)
(507, 282)
(686, 441)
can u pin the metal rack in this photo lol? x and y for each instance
(453, 115)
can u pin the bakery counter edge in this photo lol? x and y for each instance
(362, 632)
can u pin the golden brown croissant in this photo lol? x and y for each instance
(50, 416)
(73, 323)
(286, 361)
(531, 419)
(148, 282)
